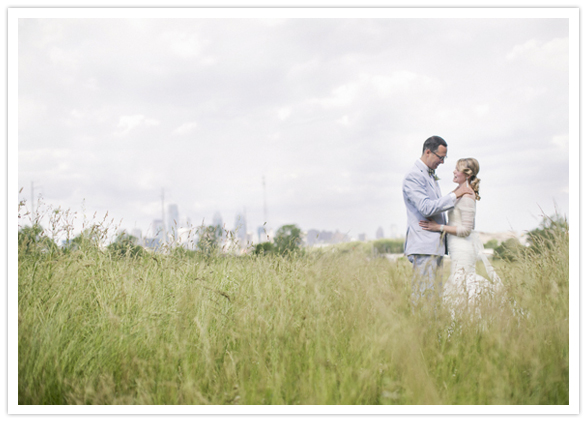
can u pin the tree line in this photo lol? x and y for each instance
(287, 240)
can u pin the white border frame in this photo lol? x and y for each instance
(288, 12)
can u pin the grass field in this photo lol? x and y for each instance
(327, 327)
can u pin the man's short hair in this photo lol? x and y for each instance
(432, 143)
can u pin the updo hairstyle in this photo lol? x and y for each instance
(470, 167)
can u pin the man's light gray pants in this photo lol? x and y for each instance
(427, 278)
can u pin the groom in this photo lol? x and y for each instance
(423, 200)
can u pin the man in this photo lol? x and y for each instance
(423, 200)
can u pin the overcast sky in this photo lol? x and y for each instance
(332, 112)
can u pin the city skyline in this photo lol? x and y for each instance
(179, 223)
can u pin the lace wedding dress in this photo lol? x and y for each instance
(464, 284)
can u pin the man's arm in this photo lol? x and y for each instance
(415, 191)
(461, 230)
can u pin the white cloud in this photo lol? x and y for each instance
(481, 109)
(46, 158)
(522, 50)
(64, 59)
(31, 109)
(562, 141)
(553, 54)
(208, 61)
(344, 120)
(402, 80)
(128, 122)
(91, 84)
(77, 114)
(382, 85)
(51, 31)
(273, 22)
(341, 96)
(185, 128)
(531, 93)
(283, 113)
(184, 44)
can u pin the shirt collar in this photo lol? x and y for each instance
(420, 164)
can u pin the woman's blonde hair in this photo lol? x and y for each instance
(470, 167)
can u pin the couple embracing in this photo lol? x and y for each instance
(430, 234)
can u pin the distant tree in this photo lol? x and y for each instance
(125, 245)
(547, 233)
(389, 246)
(491, 244)
(32, 239)
(89, 238)
(219, 233)
(209, 239)
(264, 248)
(288, 238)
(182, 252)
(509, 250)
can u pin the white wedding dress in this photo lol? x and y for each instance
(464, 284)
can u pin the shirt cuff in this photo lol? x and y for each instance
(453, 195)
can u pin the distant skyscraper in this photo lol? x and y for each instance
(217, 220)
(158, 229)
(362, 237)
(240, 227)
(218, 223)
(379, 234)
(172, 220)
(262, 233)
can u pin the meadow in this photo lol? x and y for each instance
(331, 326)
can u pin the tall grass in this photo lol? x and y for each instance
(319, 328)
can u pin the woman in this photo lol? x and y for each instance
(464, 245)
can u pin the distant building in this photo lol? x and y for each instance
(312, 237)
(151, 243)
(325, 237)
(240, 228)
(219, 224)
(315, 237)
(339, 237)
(362, 237)
(262, 234)
(379, 234)
(172, 220)
(159, 230)
(187, 237)
(217, 220)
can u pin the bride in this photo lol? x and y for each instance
(464, 244)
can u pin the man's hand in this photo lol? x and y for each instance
(429, 226)
(462, 190)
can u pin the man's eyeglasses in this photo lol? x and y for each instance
(442, 158)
